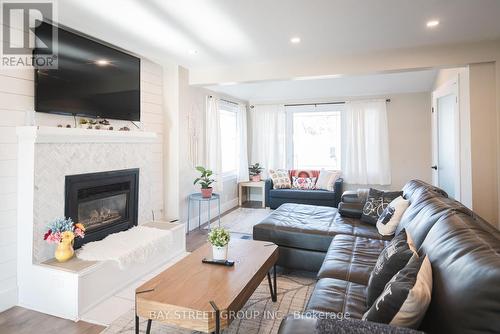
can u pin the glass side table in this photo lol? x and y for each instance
(196, 197)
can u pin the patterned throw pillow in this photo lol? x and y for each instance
(376, 203)
(307, 183)
(280, 178)
(392, 259)
(406, 296)
(390, 218)
(327, 179)
(304, 173)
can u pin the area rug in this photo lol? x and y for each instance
(242, 220)
(259, 315)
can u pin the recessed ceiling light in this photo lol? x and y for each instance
(295, 40)
(102, 62)
(193, 52)
(432, 23)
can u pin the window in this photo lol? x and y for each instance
(314, 134)
(229, 139)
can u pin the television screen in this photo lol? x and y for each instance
(91, 79)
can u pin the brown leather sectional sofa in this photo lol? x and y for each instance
(464, 251)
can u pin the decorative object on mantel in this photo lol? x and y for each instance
(83, 122)
(124, 129)
(255, 171)
(63, 232)
(205, 180)
(219, 239)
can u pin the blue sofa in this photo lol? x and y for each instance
(276, 197)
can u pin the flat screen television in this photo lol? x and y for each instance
(91, 79)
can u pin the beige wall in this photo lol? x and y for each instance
(192, 104)
(409, 118)
(484, 141)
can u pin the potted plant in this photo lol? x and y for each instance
(63, 232)
(255, 171)
(219, 239)
(205, 180)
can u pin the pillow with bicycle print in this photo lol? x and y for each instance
(376, 203)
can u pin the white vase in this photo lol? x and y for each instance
(219, 253)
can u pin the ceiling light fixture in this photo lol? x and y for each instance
(432, 23)
(295, 40)
(102, 62)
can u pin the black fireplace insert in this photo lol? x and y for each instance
(104, 203)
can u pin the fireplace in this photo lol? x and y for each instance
(104, 203)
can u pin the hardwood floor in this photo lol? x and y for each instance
(198, 237)
(18, 320)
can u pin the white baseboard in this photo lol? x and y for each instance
(8, 298)
(193, 221)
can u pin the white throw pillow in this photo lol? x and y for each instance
(390, 218)
(326, 179)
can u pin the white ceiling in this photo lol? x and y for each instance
(230, 32)
(365, 85)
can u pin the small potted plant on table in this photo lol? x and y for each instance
(219, 239)
(63, 232)
(205, 181)
(255, 171)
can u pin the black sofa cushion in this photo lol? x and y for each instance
(325, 323)
(303, 194)
(422, 214)
(351, 210)
(411, 186)
(309, 227)
(465, 255)
(351, 258)
(338, 296)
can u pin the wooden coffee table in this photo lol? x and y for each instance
(205, 297)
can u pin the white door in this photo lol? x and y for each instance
(446, 139)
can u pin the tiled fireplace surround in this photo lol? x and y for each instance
(45, 156)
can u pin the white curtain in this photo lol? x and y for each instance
(242, 144)
(268, 136)
(367, 143)
(213, 157)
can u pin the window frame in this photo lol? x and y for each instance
(312, 108)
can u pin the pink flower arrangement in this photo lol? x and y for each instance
(62, 228)
(54, 238)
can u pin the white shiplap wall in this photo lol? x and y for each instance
(16, 97)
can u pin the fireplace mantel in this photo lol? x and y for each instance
(46, 134)
(46, 155)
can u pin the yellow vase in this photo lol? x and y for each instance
(64, 250)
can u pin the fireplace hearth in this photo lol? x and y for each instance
(104, 203)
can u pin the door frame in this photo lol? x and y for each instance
(448, 88)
